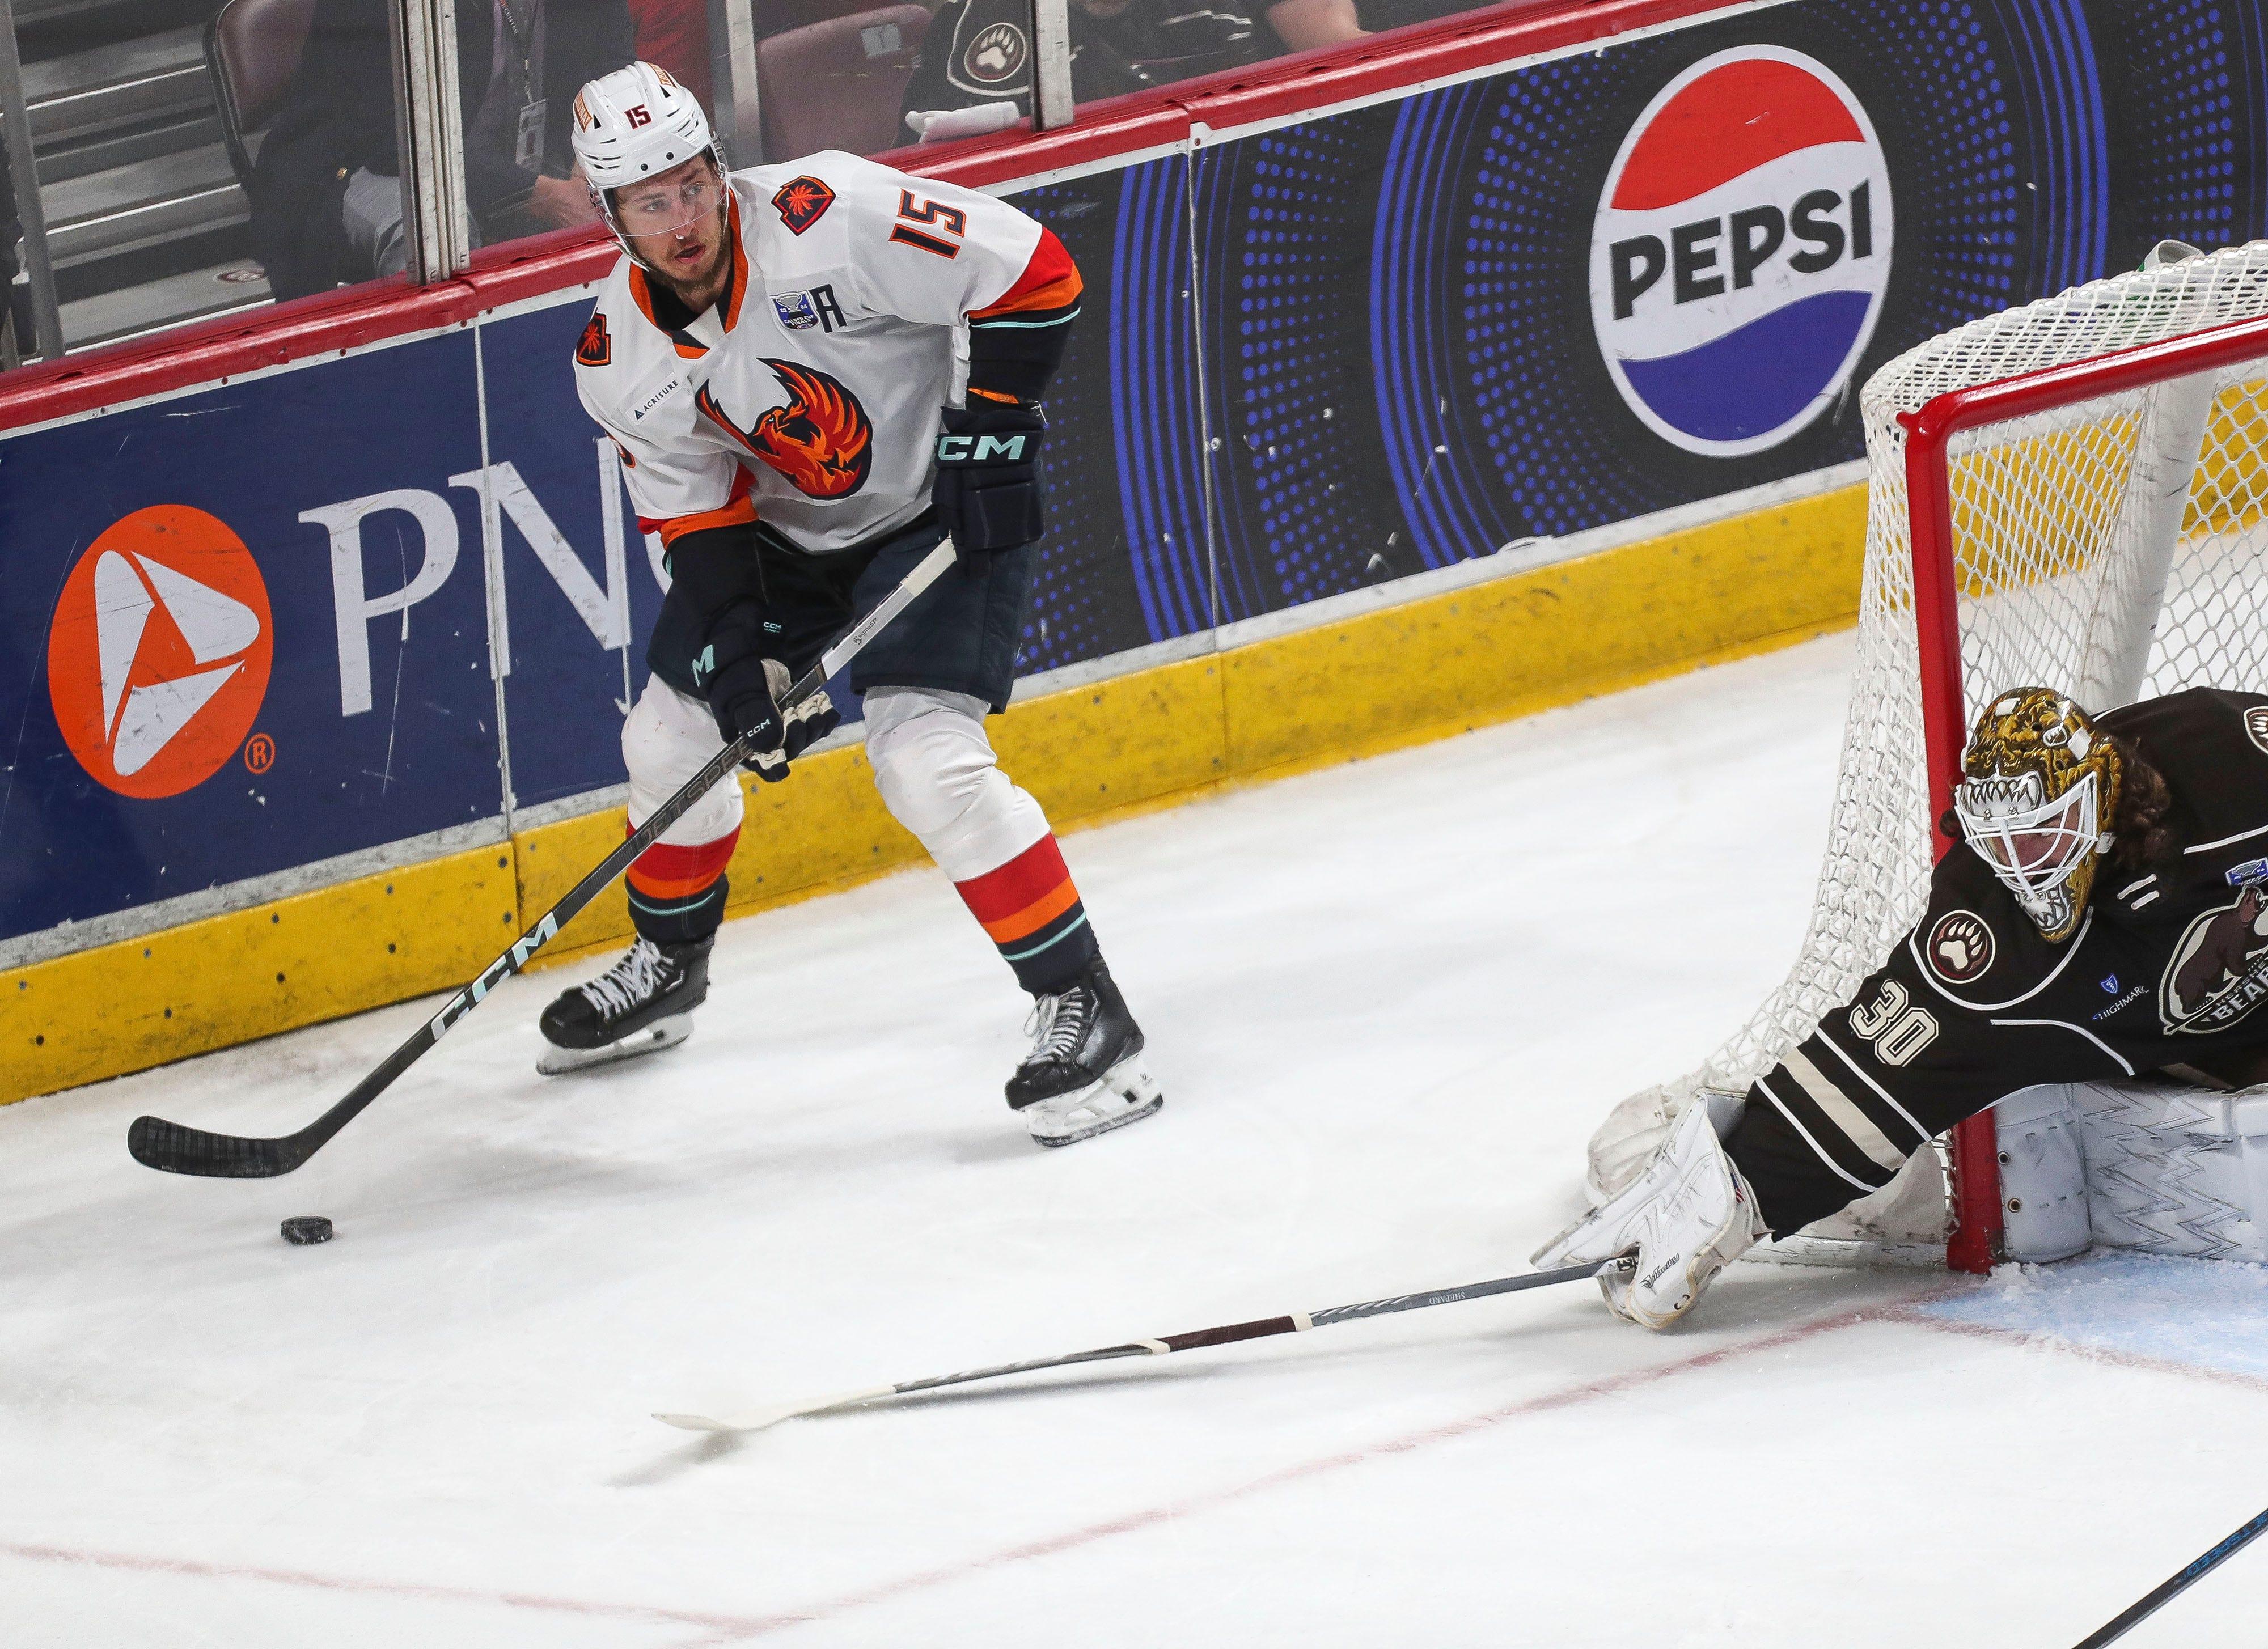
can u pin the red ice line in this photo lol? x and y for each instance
(737, 1625)
(1907, 1314)
(729, 1627)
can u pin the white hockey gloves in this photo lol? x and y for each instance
(1687, 1218)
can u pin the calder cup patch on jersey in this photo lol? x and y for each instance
(1741, 251)
(821, 440)
(795, 311)
(2216, 976)
(159, 653)
(1960, 947)
(801, 202)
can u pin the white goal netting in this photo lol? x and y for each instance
(2112, 548)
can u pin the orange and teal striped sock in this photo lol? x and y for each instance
(1031, 909)
(677, 893)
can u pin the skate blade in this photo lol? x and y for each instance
(1127, 1093)
(557, 1061)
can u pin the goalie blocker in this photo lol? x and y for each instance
(2107, 921)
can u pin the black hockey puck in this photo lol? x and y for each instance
(305, 1229)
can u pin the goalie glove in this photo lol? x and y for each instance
(1686, 1219)
(987, 491)
(743, 688)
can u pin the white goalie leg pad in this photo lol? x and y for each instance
(2044, 1197)
(1127, 1093)
(938, 775)
(1905, 1224)
(668, 738)
(1687, 1218)
(2173, 1168)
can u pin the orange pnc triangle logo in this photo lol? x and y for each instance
(159, 654)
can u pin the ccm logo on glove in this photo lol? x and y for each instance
(966, 449)
(988, 487)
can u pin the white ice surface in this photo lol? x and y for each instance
(1387, 1002)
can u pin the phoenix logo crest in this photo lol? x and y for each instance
(801, 202)
(821, 440)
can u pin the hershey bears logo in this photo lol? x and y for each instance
(2216, 976)
(1960, 947)
(821, 440)
(801, 202)
(595, 348)
(996, 54)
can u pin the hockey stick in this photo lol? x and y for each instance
(2181, 1582)
(159, 1143)
(757, 1420)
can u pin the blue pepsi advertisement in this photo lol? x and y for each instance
(1592, 289)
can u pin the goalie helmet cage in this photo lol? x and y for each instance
(2070, 494)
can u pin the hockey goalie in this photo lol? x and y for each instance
(2105, 917)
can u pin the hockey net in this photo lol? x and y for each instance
(2106, 538)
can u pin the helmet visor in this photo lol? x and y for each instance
(2032, 847)
(656, 207)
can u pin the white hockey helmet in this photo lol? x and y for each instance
(637, 122)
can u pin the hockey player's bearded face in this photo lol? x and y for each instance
(675, 225)
(2039, 791)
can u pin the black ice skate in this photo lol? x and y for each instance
(642, 1005)
(1084, 1074)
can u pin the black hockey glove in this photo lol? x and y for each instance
(988, 485)
(744, 688)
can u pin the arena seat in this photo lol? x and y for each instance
(252, 50)
(837, 83)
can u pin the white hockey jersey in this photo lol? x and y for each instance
(807, 396)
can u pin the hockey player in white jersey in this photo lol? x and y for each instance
(775, 356)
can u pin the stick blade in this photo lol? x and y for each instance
(170, 1148)
(758, 1420)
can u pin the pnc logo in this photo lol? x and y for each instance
(159, 654)
(1741, 251)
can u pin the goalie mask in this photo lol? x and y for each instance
(2039, 791)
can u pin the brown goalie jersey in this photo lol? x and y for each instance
(2168, 966)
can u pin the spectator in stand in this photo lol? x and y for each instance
(325, 191)
(674, 34)
(979, 51)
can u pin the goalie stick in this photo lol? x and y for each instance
(173, 1149)
(757, 1420)
(2195, 1571)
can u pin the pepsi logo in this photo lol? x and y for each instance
(159, 650)
(1741, 251)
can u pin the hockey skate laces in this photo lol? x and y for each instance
(2034, 847)
(628, 983)
(1054, 1026)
